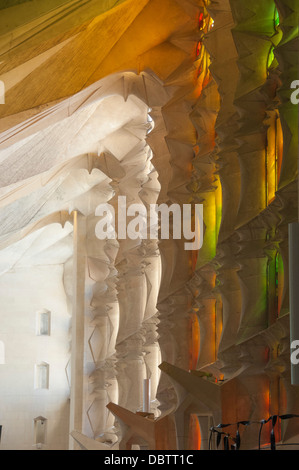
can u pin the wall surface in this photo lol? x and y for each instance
(23, 293)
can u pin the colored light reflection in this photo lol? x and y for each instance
(200, 21)
(279, 149)
(218, 324)
(276, 18)
(271, 57)
(279, 280)
(205, 23)
(198, 48)
(218, 208)
(194, 433)
(212, 215)
(194, 341)
(274, 153)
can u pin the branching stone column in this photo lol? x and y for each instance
(78, 308)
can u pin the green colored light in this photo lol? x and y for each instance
(271, 57)
(276, 18)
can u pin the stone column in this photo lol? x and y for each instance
(78, 304)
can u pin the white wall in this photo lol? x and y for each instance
(22, 294)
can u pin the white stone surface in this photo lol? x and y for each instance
(83, 152)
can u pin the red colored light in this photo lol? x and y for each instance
(200, 21)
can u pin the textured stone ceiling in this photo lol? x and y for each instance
(75, 132)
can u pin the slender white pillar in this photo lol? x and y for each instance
(294, 293)
(77, 346)
(146, 396)
(294, 281)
